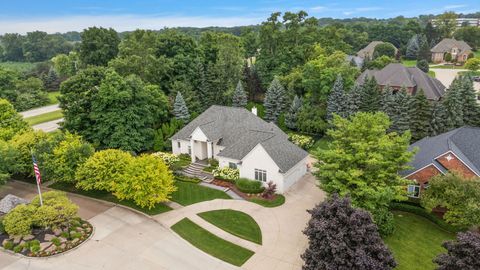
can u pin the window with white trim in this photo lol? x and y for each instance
(178, 144)
(414, 191)
(232, 165)
(261, 175)
(189, 150)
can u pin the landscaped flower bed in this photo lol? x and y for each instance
(47, 242)
(273, 201)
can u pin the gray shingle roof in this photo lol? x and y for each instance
(239, 131)
(447, 44)
(464, 142)
(397, 75)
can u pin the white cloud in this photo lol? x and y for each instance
(318, 8)
(118, 22)
(453, 6)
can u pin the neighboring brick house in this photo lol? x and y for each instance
(367, 52)
(413, 79)
(458, 49)
(456, 150)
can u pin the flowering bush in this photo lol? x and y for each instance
(303, 141)
(226, 173)
(168, 158)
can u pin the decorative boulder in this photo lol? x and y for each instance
(9, 202)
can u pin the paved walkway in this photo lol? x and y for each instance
(41, 110)
(48, 126)
(282, 237)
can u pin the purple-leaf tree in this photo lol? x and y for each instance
(462, 254)
(344, 238)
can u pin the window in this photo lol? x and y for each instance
(189, 150)
(232, 165)
(178, 144)
(425, 185)
(414, 191)
(261, 175)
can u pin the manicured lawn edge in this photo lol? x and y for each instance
(42, 118)
(279, 200)
(234, 222)
(211, 244)
(189, 193)
(105, 196)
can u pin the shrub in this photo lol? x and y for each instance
(213, 162)
(57, 210)
(448, 57)
(19, 221)
(56, 241)
(2, 228)
(249, 186)
(34, 246)
(184, 178)
(461, 253)
(384, 220)
(423, 65)
(302, 141)
(168, 158)
(473, 64)
(270, 190)
(226, 173)
(75, 235)
(8, 245)
(18, 248)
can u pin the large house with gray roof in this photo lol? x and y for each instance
(459, 50)
(240, 139)
(456, 150)
(369, 50)
(413, 79)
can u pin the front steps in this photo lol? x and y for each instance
(195, 170)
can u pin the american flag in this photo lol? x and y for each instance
(36, 170)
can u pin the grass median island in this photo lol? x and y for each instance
(190, 193)
(106, 196)
(416, 241)
(42, 118)
(277, 201)
(211, 244)
(236, 223)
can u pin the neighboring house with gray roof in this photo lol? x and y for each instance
(238, 138)
(367, 52)
(413, 79)
(458, 49)
(456, 150)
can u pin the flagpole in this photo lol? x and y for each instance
(36, 180)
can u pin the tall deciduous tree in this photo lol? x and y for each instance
(291, 117)
(99, 45)
(180, 109)
(363, 162)
(337, 100)
(239, 98)
(11, 122)
(343, 237)
(274, 101)
(458, 195)
(462, 253)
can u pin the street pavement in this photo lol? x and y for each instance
(41, 110)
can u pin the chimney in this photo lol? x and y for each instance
(254, 110)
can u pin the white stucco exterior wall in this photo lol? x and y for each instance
(294, 174)
(183, 149)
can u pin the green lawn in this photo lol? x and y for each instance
(18, 66)
(190, 193)
(477, 53)
(431, 73)
(279, 200)
(416, 241)
(446, 67)
(211, 244)
(409, 63)
(52, 97)
(236, 223)
(106, 196)
(34, 120)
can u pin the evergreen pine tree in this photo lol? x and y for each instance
(158, 141)
(454, 104)
(51, 80)
(274, 101)
(412, 48)
(423, 48)
(239, 98)
(401, 118)
(354, 100)
(180, 109)
(471, 109)
(420, 116)
(388, 102)
(371, 98)
(439, 122)
(291, 117)
(337, 100)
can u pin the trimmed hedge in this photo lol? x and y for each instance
(249, 186)
(184, 178)
(409, 207)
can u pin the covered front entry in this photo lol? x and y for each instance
(199, 150)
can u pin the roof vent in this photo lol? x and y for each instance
(254, 110)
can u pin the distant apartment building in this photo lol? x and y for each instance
(463, 22)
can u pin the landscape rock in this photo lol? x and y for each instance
(45, 245)
(28, 237)
(79, 229)
(5, 241)
(62, 240)
(49, 237)
(51, 248)
(57, 232)
(17, 239)
(75, 241)
(62, 246)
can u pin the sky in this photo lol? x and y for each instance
(74, 15)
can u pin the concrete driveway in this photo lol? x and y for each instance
(446, 76)
(48, 126)
(124, 239)
(41, 110)
(282, 239)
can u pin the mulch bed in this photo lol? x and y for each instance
(233, 187)
(47, 242)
